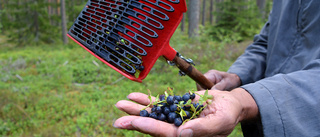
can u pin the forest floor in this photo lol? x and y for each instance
(62, 90)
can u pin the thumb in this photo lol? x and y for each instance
(198, 127)
(205, 127)
(219, 86)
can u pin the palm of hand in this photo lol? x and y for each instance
(218, 119)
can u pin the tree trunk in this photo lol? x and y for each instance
(64, 22)
(211, 12)
(194, 13)
(182, 23)
(261, 5)
(203, 12)
(218, 9)
(36, 23)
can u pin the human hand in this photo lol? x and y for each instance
(218, 119)
(222, 80)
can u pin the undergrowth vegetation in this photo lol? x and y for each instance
(64, 91)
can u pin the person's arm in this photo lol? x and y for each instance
(251, 65)
(289, 104)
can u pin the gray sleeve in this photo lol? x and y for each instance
(289, 104)
(253, 60)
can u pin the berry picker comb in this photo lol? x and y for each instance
(130, 35)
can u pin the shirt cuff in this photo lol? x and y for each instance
(270, 115)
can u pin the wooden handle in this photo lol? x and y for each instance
(192, 72)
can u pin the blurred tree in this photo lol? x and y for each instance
(218, 9)
(261, 5)
(183, 23)
(1, 7)
(27, 22)
(64, 22)
(203, 12)
(193, 17)
(211, 11)
(237, 19)
(37, 21)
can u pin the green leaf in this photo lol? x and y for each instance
(157, 98)
(122, 40)
(193, 108)
(203, 98)
(181, 103)
(170, 91)
(188, 102)
(182, 114)
(150, 99)
(149, 96)
(166, 94)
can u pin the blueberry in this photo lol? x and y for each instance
(170, 100)
(153, 109)
(173, 107)
(162, 97)
(166, 110)
(186, 107)
(192, 96)
(162, 117)
(196, 106)
(171, 117)
(200, 106)
(187, 116)
(144, 113)
(176, 102)
(141, 68)
(164, 105)
(158, 109)
(186, 97)
(137, 67)
(178, 121)
(153, 115)
(179, 98)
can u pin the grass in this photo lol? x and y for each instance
(60, 91)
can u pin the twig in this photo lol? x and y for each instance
(19, 77)
(118, 80)
(24, 112)
(95, 63)
(65, 63)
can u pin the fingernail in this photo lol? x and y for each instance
(186, 133)
(130, 96)
(117, 105)
(115, 126)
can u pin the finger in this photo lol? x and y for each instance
(219, 86)
(125, 122)
(140, 98)
(129, 107)
(154, 127)
(204, 126)
(199, 87)
(213, 75)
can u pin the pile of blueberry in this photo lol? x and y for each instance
(174, 109)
